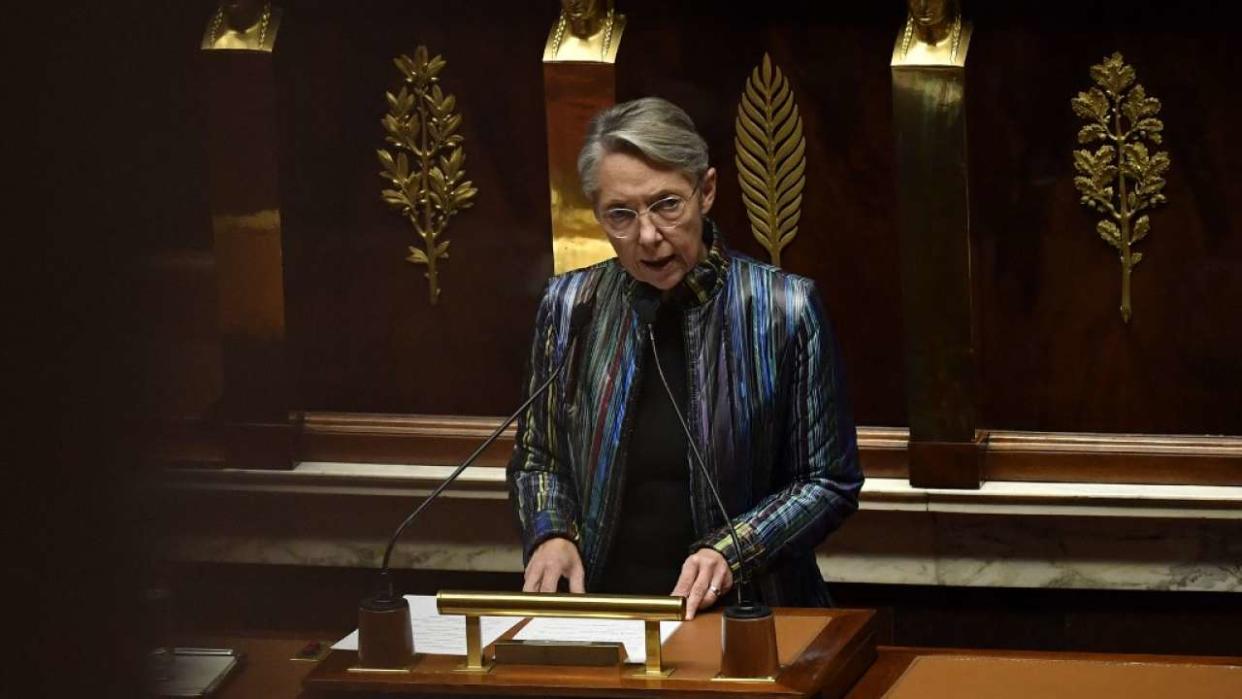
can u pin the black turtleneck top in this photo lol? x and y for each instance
(655, 528)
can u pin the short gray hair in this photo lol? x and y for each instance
(652, 128)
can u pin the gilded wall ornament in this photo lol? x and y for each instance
(771, 158)
(246, 25)
(1121, 178)
(934, 35)
(426, 166)
(587, 31)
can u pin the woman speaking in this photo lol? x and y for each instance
(603, 475)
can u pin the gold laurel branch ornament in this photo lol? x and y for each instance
(771, 158)
(426, 166)
(1122, 178)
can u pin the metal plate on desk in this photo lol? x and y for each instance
(193, 672)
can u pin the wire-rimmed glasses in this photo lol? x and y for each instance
(666, 213)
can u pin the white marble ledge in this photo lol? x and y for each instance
(339, 478)
(879, 494)
(1061, 499)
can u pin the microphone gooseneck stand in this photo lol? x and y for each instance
(748, 631)
(385, 637)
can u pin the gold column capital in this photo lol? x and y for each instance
(242, 25)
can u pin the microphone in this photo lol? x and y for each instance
(647, 304)
(748, 630)
(579, 319)
(386, 599)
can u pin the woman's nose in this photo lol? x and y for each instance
(648, 234)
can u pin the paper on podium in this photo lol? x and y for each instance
(627, 631)
(439, 634)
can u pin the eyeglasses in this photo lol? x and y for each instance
(666, 213)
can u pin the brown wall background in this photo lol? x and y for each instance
(367, 338)
(1054, 354)
(116, 92)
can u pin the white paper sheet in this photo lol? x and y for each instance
(439, 634)
(627, 631)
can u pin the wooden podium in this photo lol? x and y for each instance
(822, 652)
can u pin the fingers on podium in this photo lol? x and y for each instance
(552, 560)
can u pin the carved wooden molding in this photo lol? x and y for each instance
(1113, 458)
(420, 439)
(446, 439)
(1009, 455)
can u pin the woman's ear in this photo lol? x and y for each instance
(708, 189)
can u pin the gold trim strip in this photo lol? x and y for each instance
(386, 670)
(540, 604)
(748, 680)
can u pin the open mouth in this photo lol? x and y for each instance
(658, 264)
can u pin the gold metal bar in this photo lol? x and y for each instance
(655, 657)
(474, 643)
(534, 604)
(654, 667)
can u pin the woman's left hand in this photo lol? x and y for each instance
(705, 578)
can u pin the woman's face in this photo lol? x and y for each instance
(660, 258)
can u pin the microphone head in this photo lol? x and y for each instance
(385, 597)
(646, 303)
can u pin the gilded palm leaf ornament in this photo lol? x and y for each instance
(425, 169)
(770, 157)
(1122, 178)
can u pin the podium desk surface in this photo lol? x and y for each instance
(268, 670)
(267, 665)
(822, 653)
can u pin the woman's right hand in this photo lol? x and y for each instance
(552, 560)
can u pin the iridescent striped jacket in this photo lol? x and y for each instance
(765, 403)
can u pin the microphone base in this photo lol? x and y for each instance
(748, 638)
(385, 637)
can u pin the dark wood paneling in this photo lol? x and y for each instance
(367, 338)
(359, 316)
(1056, 355)
(699, 55)
(240, 101)
(946, 464)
